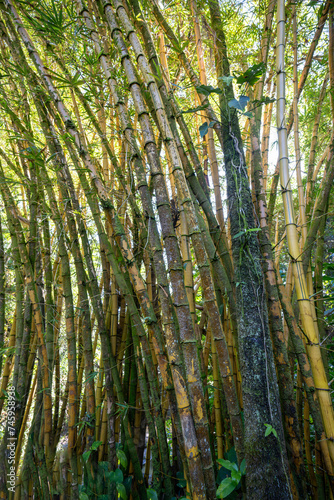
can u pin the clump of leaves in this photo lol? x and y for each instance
(270, 430)
(103, 477)
(51, 20)
(229, 476)
(252, 74)
(229, 484)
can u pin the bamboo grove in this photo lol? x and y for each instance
(166, 249)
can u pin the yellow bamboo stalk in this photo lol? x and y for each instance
(9, 362)
(216, 401)
(163, 59)
(187, 263)
(148, 461)
(114, 313)
(308, 453)
(211, 142)
(24, 423)
(99, 400)
(313, 347)
(103, 434)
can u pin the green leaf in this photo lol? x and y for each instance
(227, 79)
(194, 110)
(83, 496)
(203, 129)
(236, 476)
(117, 476)
(121, 490)
(95, 445)
(86, 455)
(241, 104)
(103, 466)
(127, 483)
(151, 494)
(208, 89)
(252, 74)
(122, 458)
(226, 487)
(243, 467)
(182, 483)
(268, 431)
(238, 234)
(227, 464)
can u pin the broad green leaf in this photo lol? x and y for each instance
(86, 455)
(252, 74)
(203, 129)
(83, 496)
(127, 483)
(239, 104)
(208, 89)
(236, 476)
(226, 487)
(227, 464)
(117, 476)
(227, 79)
(122, 458)
(104, 466)
(182, 483)
(95, 445)
(122, 491)
(268, 431)
(243, 467)
(151, 494)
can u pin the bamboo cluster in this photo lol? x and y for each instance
(165, 288)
